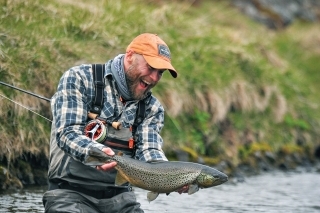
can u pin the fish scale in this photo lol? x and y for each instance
(156, 175)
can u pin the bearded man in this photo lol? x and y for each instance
(121, 96)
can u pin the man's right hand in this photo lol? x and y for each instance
(107, 166)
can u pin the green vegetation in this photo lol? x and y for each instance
(241, 87)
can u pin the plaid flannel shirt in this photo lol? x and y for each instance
(72, 102)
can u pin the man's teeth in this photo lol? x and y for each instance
(146, 83)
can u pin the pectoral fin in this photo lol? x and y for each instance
(152, 196)
(120, 180)
(193, 188)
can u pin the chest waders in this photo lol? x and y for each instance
(71, 173)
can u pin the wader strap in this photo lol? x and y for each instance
(122, 145)
(98, 74)
(140, 115)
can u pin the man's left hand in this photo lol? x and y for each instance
(107, 166)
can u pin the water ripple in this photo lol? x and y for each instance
(270, 193)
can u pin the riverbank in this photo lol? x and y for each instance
(246, 99)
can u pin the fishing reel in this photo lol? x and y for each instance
(96, 129)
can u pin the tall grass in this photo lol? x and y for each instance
(238, 81)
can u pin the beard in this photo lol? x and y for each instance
(133, 81)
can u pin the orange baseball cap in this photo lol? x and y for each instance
(154, 50)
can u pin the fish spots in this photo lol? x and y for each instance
(165, 177)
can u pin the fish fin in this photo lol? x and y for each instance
(152, 196)
(193, 188)
(120, 180)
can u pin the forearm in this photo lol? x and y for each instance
(69, 111)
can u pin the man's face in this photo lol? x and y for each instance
(141, 77)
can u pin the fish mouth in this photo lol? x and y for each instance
(219, 179)
(222, 178)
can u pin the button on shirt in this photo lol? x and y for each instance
(72, 102)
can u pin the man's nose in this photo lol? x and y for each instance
(155, 75)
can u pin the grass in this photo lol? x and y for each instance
(236, 78)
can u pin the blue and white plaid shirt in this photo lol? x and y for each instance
(70, 106)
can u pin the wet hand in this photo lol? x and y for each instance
(107, 166)
(183, 189)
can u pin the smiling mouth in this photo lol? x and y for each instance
(144, 84)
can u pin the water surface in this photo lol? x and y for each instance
(296, 192)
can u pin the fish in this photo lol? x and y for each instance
(158, 176)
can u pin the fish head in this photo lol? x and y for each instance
(209, 177)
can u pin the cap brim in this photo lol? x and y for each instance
(159, 63)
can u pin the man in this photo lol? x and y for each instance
(128, 80)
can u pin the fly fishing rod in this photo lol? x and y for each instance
(25, 91)
(95, 127)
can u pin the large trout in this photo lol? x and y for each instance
(159, 177)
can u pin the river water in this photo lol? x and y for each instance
(290, 192)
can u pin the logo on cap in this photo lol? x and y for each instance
(164, 51)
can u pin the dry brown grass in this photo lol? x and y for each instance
(240, 96)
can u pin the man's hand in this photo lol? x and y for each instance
(184, 189)
(107, 166)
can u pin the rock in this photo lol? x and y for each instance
(279, 14)
(8, 181)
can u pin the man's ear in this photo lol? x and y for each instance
(129, 57)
